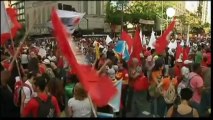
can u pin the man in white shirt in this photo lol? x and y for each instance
(27, 91)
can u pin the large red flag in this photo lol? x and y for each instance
(100, 88)
(125, 36)
(137, 46)
(163, 41)
(8, 31)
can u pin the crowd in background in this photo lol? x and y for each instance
(46, 76)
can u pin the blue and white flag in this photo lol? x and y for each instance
(121, 48)
(70, 19)
(115, 102)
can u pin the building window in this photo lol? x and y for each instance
(39, 17)
(27, 19)
(43, 11)
(60, 7)
(68, 8)
(85, 6)
(98, 7)
(92, 7)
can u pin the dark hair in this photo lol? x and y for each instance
(186, 94)
(152, 51)
(73, 78)
(158, 64)
(196, 67)
(41, 82)
(124, 64)
(199, 48)
(30, 75)
(149, 48)
(56, 88)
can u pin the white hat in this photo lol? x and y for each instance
(17, 78)
(179, 61)
(186, 62)
(46, 61)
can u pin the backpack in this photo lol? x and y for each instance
(17, 93)
(188, 85)
(170, 95)
(46, 108)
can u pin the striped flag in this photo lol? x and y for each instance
(9, 23)
(116, 100)
(70, 19)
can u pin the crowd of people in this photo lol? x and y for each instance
(40, 82)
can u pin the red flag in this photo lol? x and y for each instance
(125, 36)
(100, 88)
(163, 40)
(6, 35)
(185, 53)
(137, 46)
(179, 50)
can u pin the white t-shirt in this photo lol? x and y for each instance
(24, 59)
(27, 92)
(111, 73)
(80, 108)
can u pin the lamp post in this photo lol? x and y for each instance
(170, 12)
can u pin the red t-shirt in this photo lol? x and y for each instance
(32, 107)
(42, 68)
(177, 73)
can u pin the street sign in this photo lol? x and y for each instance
(147, 22)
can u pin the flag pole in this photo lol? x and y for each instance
(13, 48)
(93, 107)
(21, 43)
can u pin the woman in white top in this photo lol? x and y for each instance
(79, 105)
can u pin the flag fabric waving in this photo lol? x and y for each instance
(69, 19)
(108, 40)
(8, 16)
(121, 49)
(152, 40)
(125, 36)
(163, 41)
(115, 102)
(137, 46)
(100, 88)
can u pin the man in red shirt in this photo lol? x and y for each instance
(33, 108)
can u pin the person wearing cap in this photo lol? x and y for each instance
(49, 70)
(177, 69)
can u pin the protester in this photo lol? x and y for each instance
(196, 84)
(79, 105)
(8, 109)
(183, 109)
(55, 88)
(43, 105)
(27, 90)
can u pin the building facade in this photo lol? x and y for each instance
(204, 5)
(20, 8)
(36, 14)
